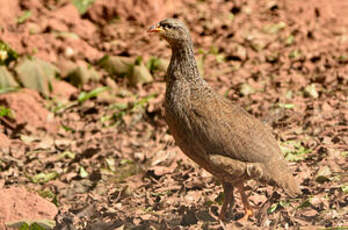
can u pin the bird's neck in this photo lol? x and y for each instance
(183, 64)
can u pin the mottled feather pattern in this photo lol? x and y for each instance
(214, 132)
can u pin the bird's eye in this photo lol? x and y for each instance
(167, 26)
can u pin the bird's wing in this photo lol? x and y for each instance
(227, 129)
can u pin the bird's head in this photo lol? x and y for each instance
(173, 30)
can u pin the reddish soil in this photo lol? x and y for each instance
(28, 110)
(18, 204)
(114, 163)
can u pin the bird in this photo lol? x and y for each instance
(214, 132)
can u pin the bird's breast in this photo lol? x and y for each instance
(177, 108)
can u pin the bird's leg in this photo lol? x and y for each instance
(228, 200)
(247, 207)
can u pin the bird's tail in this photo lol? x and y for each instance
(279, 173)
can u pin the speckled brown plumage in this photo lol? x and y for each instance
(214, 132)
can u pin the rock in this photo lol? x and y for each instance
(323, 175)
(63, 89)
(239, 52)
(111, 84)
(133, 69)
(246, 89)
(65, 66)
(28, 108)
(5, 142)
(157, 64)
(33, 28)
(36, 74)
(81, 75)
(115, 65)
(140, 75)
(311, 91)
(9, 10)
(6, 78)
(19, 204)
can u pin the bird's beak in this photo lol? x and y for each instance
(155, 28)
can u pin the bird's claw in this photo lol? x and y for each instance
(248, 213)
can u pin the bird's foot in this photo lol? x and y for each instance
(248, 213)
(222, 215)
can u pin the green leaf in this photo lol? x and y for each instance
(294, 151)
(273, 208)
(63, 34)
(343, 59)
(258, 45)
(143, 101)
(344, 154)
(286, 106)
(8, 90)
(220, 58)
(220, 198)
(111, 164)
(44, 177)
(214, 50)
(345, 188)
(118, 116)
(274, 28)
(68, 129)
(46, 194)
(125, 169)
(155, 64)
(26, 15)
(7, 54)
(82, 5)
(295, 54)
(50, 195)
(24, 226)
(202, 51)
(67, 154)
(83, 173)
(119, 106)
(208, 203)
(231, 16)
(290, 40)
(32, 224)
(200, 64)
(28, 139)
(126, 161)
(284, 203)
(148, 209)
(36, 226)
(84, 96)
(278, 205)
(6, 112)
(138, 60)
(305, 204)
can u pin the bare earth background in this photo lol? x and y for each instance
(96, 157)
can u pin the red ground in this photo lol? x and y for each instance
(117, 166)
